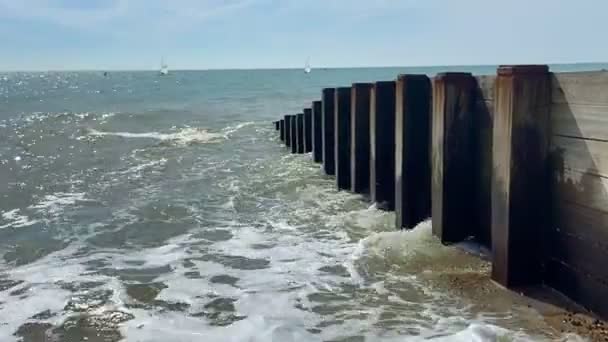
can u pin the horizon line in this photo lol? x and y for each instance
(298, 68)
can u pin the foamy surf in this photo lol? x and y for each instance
(54, 204)
(185, 136)
(227, 131)
(15, 219)
(113, 234)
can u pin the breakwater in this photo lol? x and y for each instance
(517, 161)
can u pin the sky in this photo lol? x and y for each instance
(223, 34)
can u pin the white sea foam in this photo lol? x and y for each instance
(182, 137)
(56, 203)
(227, 131)
(185, 136)
(16, 220)
(137, 170)
(40, 290)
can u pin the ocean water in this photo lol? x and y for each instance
(143, 208)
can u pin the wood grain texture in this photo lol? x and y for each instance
(382, 144)
(317, 132)
(327, 121)
(342, 135)
(584, 254)
(483, 121)
(287, 132)
(581, 188)
(586, 88)
(454, 166)
(307, 130)
(589, 121)
(412, 150)
(520, 177)
(294, 134)
(300, 133)
(360, 142)
(580, 155)
(580, 221)
(578, 286)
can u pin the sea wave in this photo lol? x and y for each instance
(15, 219)
(54, 204)
(185, 136)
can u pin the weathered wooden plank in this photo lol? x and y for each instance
(587, 87)
(317, 131)
(454, 202)
(520, 178)
(578, 286)
(412, 150)
(360, 143)
(287, 132)
(483, 123)
(583, 121)
(294, 134)
(580, 155)
(583, 254)
(307, 130)
(581, 188)
(300, 133)
(342, 136)
(382, 144)
(327, 120)
(583, 222)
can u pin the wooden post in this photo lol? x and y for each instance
(282, 129)
(307, 130)
(359, 143)
(382, 145)
(412, 160)
(328, 114)
(276, 125)
(342, 136)
(454, 166)
(520, 173)
(317, 132)
(294, 134)
(287, 130)
(300, 133)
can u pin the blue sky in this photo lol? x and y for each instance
(200, 34)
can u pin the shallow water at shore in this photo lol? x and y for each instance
(142, 208)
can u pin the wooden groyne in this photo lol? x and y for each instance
(517, 161)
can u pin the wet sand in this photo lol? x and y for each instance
(562, 316)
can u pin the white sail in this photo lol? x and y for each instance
(164, 68)
(307, 68)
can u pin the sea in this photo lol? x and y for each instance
(135, 207)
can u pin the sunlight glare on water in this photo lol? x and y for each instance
(140, 209)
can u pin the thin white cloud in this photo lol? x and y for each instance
(68, 16)
(122, 13)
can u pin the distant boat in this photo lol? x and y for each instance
(307, 68)
(164, 68)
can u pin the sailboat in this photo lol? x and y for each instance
(307, 68)
(164, 68)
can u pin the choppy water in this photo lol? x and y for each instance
(163, 209)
